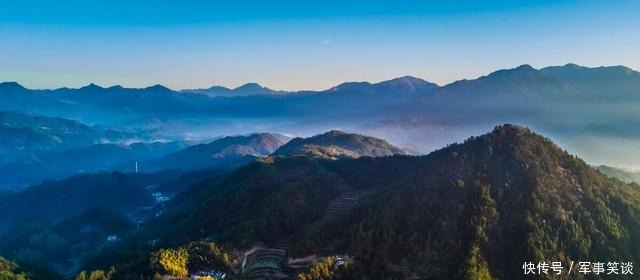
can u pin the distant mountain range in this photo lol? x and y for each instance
(400, 85)
(118, 105)
(524, 83)
(585, 109)
(522, 93)
(581, 107)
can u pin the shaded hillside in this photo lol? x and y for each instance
(59, 224)
(87, 159)
(93, 225)
(231, 151)
(476, 210)
(479, 210)
(269, 198)
(63, 244)
(337, 144)
(264, 201)
(52, 201)
(259, 193)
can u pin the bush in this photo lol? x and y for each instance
(170, 261)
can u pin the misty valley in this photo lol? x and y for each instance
(399, 179)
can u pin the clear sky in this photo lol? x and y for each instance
(303, 44)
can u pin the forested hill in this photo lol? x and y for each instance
(476, 210)
(479, 210)
(338, 144)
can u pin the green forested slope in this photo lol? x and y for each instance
(476, 210)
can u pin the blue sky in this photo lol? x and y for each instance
(303, 44)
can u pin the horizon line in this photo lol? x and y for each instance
(96, 84)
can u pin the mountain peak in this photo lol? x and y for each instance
(219, 88)
(573, 66)
(512, 134)
(525, 67)
(91, 86)
(158, 87)
(407, 83)
(336, 144)
(250, 86)
(348, 86)
(524, 71)
(12, 86)
(510, 129)
(334, 132)
(405, 79)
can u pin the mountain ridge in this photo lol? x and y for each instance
(413, 79)
(244, 89)
(229, 151)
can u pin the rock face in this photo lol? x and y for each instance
(337, 144)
